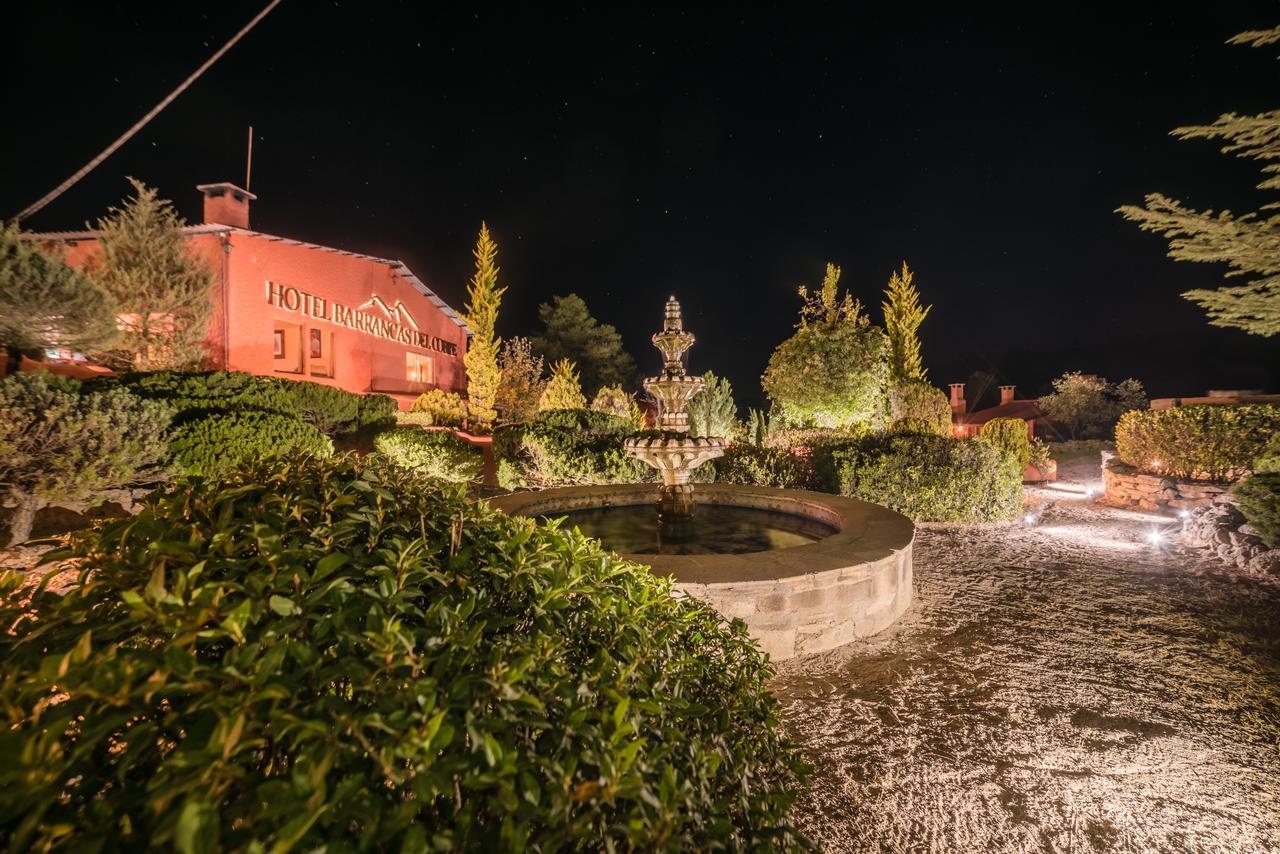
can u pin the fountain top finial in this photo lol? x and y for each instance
(672, 320)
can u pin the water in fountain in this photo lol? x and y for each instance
(673, 452)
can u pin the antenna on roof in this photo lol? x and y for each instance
(248, 164)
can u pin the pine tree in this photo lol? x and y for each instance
(162, 290)
(483, 298)
(45, 303)
(1249, 243)
(596, 348)
(903, 315)
(564, 389)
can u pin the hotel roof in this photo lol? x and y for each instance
(399, 268)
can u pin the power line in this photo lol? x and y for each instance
(142, 122)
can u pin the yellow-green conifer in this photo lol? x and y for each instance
(483, 298)
(903, 315)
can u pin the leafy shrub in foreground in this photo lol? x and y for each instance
(338, 653)
(445, 408)
(57, 444)
(1010, 436)
(222, 442)
(1258, 497)
(1209, 442)
(931, 478)
(434, 453)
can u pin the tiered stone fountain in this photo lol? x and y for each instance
(806, 571)
(674, 453)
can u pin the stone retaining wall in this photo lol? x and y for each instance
(1127, 487)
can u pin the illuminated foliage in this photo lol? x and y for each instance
(1218, 443)
(1258, 498)
(521, 384)
(832, 372)
(712, 411)
(928, 408)
(616, 401)
(1010, 436)
(162, 290)
(57, 444)
(484, 375)
(445, 408)
(563, 390)
(45, 303)
(1089, 406)
(341, 654)
(570, 332)
(438, 454)
(1247, 243)
(903, 315)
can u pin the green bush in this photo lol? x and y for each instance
(332, 411)
(58, 444)
(1216, 443)
(339, 654)
(223, 442)
(193, 395)
(445, 408)
(435, 453)
(920, 406)
(1258, 498)
(585, 420)
(542, 455)
(758, 466)
(1269, 459)
(1010, 436)
(931, 478)
(378, 411)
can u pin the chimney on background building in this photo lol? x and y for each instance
(226, 204)
(957, 398)
(1006, 394)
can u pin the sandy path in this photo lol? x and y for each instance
(1065, 686)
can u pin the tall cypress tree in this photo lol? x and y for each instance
(903, 315)
(162, 290)
(46, 303)
(1250, 243)
(483, 298)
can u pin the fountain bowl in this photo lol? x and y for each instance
(851, 584)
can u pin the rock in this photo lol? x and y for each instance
(1248, 529)
(1266, 563)
(1222, 536)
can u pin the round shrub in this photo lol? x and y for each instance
(1010, 436)
(830, 375)
(921, 406)
(337, 653)
(377, 410)
(1216, 443)
(330, 410)
(931, 478)
(435, 453)
(757, 466)
(445, 408)
(222, 442)
(1258, 498)
(542, 455)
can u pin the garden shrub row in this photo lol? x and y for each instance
(221, 442)
(336, 653)
(562, 447)
(439, 454)
(1216, 443)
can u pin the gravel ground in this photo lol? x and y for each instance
(1063, 686)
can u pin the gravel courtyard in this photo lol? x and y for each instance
(1065, 686)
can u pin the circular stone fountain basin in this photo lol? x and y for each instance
(796, 600)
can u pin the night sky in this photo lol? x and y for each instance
(629, 152)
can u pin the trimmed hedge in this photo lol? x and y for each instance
(1258, 498)
(193, 395)
(1208, 442)
(587, 420)
(931, 478)
(438, 454)
(221, 443)
(540, 455)
(757, 466)
(1010, 436)
(336, 653)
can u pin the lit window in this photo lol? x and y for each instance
(418, 368)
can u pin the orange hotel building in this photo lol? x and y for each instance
(298, 310)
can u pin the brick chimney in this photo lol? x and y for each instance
(1006, 394)
(226, 204)
(957, 398)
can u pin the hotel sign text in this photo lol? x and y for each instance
(396, 326)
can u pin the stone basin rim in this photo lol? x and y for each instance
(865, 532)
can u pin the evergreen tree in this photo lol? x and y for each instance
(903, 315)
(521, 383)
(162, 290)
(712, 411)
(483, 298)
(564, 389)
(45, 303)
(1248, 244)
(570, 332)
